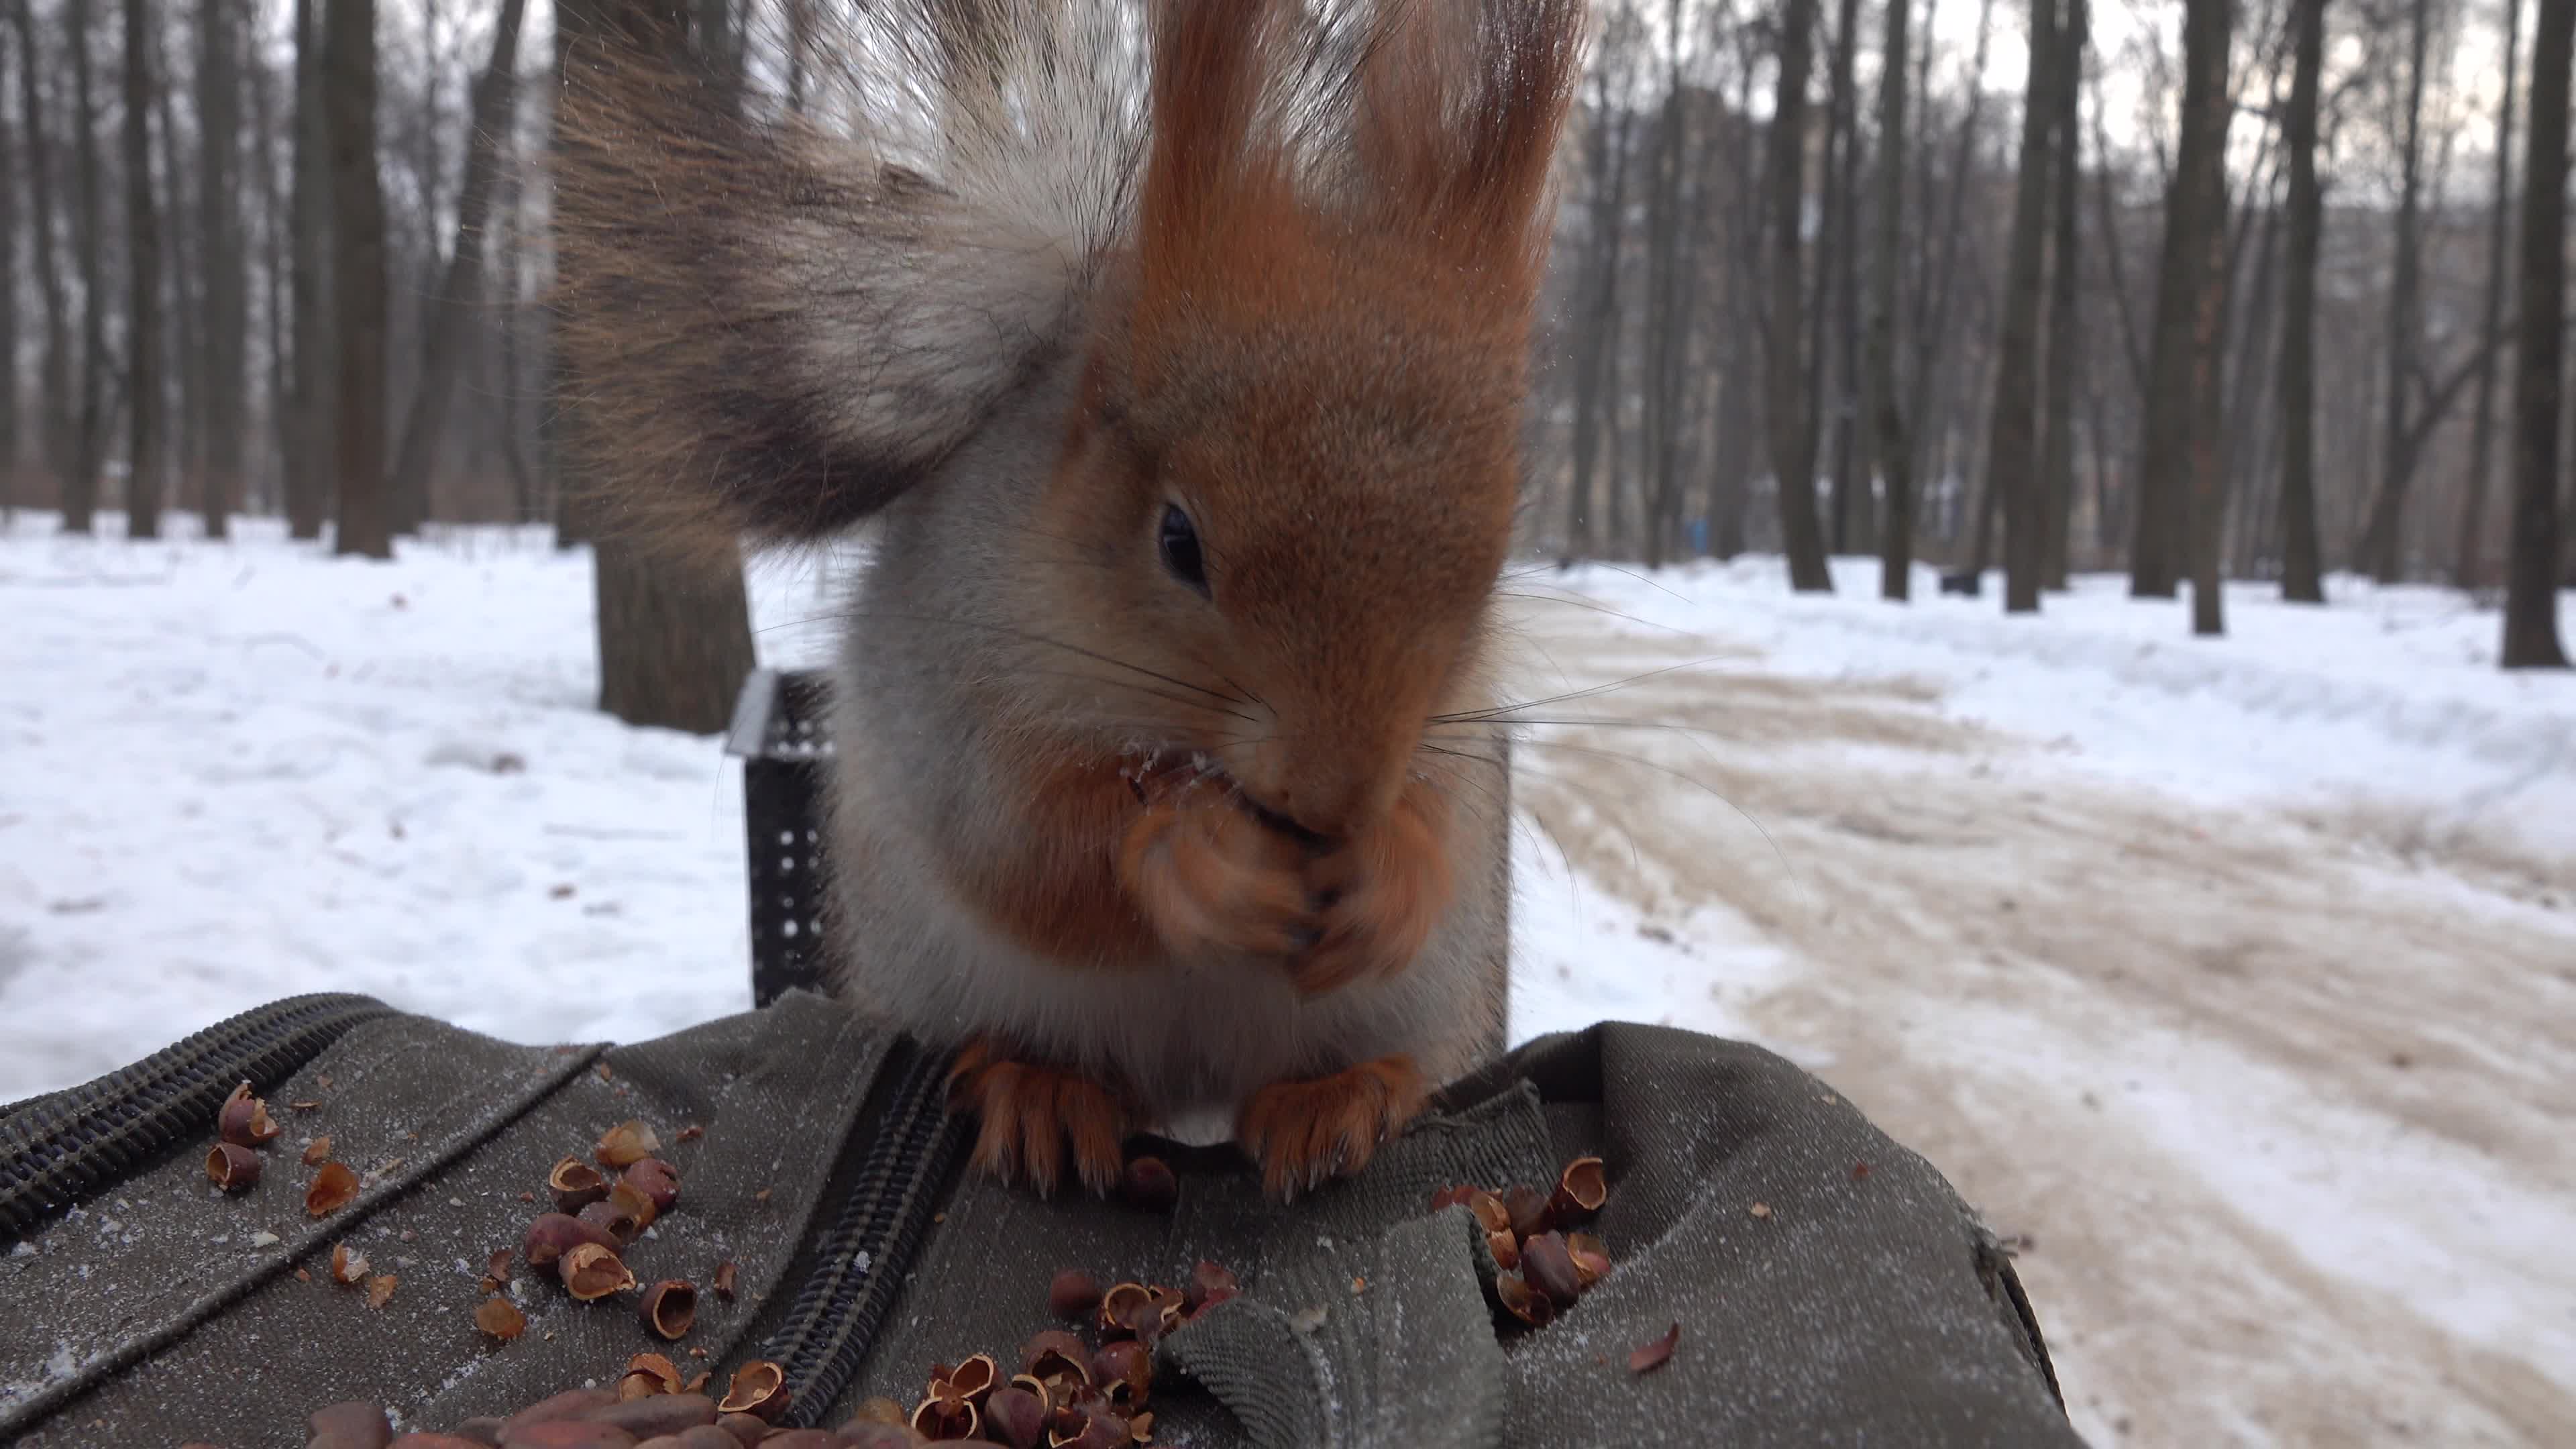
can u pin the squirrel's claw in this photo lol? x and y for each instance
(1304, 1132)
(1031, 1114)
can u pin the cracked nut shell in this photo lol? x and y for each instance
(1580, 1191)
(244, 1120)
(669, 1307)
(232, 1167)
(575, 1185)
(591, 1272)
(1549, 1267)
(554, 1234)
(758, 1388)
(657, 1180)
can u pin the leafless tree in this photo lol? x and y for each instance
(227, 303)
(1886, 409)
(311, 440)
(2012, 447)
(143, 441)
(2302, 569)
(358, 277)
(2470, 568)
(2531, 597)
(1792, 429)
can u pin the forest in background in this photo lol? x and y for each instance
(2300, 307)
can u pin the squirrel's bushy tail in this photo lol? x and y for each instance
(776, 317)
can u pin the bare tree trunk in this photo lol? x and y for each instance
(55, 400)
(2065, 344)
(182, 360)
(313, 447)
(1837, 285)
(2012, 452)
(1934, 310)
(12, 445)
(143, 445)
(1597, 326)
(2531, 597)
(89, 237)
(358, 277)
(2302, 580)
(227, 301)
(674, 641)
(2471, 568)
(450, 309)
(2190, 271)
(2382, 547)
(1793, 436)
(276, 267)
(1886, 409)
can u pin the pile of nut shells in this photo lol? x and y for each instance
(596, 1219)
(1068, 1393)
(1541, 1266)
(602, 1419)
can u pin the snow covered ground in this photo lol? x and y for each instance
(2238, 977)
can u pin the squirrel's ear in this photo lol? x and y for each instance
(775, 328)
(1459, 110)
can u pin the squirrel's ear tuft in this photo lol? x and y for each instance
(1459, 110)
(775, 326)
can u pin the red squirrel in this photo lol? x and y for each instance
(1172, 356)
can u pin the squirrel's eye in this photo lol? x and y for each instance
(1180, 545)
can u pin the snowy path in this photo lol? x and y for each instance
(2283, 1110)
(2240, 978)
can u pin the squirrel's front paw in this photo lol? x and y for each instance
(1210, 877)
(1031, 1113)
(1304, 1132)
(1385, 892)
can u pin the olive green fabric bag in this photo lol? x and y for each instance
(1828, 1286)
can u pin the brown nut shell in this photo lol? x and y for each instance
(591, 1272)
(1015, 1416)
(333, 1188)
(1524, 1302)
(1073, 1294)
(1591, 1257)
(1529, 1213)
(575, 1185)
(942, 1418)
(1505, 1248)
(1056, 1354)
(232, 1167)
(758, 1388)
(636, 1203)
(612, 1217)
(657, 1180)
(1550, 1269)
(500, 1318)
(348, 1269)
(670, 1307)
(1210, 1284)
(1127, 1310)
(974, 1378)
(1489, 1211)
(554, 1234)
(626, 1144)
(1580, 1191)
(244, 1120)
(726, 1272)
(1148, 1185)
(1124, 1373)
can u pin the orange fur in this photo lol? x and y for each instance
(1304, 1132)
(1029, 1114)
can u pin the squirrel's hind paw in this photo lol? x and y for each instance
(1031, 1114)
(1304, 1132)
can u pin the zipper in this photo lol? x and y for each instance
(58, 1149)
(863, 1258)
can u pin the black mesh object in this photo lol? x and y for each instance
(781, 732)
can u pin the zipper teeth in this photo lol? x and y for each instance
(57, 1149)
(836, 1314)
